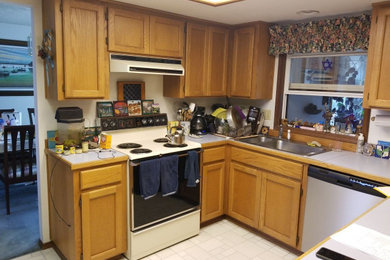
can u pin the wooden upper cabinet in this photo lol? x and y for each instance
(206, 60)
(218, 39)
(243, 48)
(166, 37)
(376, 89)
(85, 56)
(252, 66)
(196, 60)
(128, 31)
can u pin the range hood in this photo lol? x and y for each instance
(145, 65)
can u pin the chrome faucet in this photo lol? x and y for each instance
(280, 131)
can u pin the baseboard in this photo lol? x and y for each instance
(51, 244)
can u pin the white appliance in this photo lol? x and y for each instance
(333, 200)
(145, 65)
(158, 222)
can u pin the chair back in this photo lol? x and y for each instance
(19, 155)
(31, 113)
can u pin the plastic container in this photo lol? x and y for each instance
(70, 125)
(360, 143)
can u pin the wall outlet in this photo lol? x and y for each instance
(267, 114)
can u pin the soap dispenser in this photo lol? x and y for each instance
(360, 143)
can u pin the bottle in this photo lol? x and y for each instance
(288, 134)
(360, 142)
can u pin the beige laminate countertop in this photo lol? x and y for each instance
(371, 168)
(90, 159)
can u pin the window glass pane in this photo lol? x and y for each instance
(328, 73)
(309, 110)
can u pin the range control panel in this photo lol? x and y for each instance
(115, 123)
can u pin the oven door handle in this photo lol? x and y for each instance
(134, 164)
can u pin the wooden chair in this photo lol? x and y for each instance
(19, 161)
(31, 114)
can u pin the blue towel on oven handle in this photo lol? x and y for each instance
(191, 170)
(149, 178)
(169, 169)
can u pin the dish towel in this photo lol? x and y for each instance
(169, 169)
(191, 172)
(149, 178)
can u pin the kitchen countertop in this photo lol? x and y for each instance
(377, 219)
(94, 157)
(209, 138)
(344, 161)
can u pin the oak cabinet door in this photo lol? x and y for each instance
(212, 190)
(196, 60)
(378, 64)
(166, 37)
(242, 65)
(279, 207)
(217, 61)
(244, 194)
(128, 31)
(103, 222)
(85, 55)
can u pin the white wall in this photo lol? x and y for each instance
(375, 132)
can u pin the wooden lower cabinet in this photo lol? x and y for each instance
(213, 182)
(279, 207)
(102, 222)
(244, 193)
(212, 191)
(265, 193)
(87, 208)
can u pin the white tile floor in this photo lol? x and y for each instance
(221, 240)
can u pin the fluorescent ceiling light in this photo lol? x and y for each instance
(216, 2)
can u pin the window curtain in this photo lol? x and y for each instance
(324, 36)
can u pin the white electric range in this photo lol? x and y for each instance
(161, 221)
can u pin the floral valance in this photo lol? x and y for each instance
(331, 35)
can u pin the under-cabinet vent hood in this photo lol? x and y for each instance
(145, 65)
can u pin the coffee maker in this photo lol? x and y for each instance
(198, 125)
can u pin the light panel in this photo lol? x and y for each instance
(216, 2)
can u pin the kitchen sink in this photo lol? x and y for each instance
(283, 145)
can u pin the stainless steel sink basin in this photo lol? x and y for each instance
(283, 145)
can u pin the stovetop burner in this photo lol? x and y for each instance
(128, 145)
(169, 145)
(140, 150)
(161, 140)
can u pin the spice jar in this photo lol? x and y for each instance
(72, 150)
(66, 150)
(59, 148)
(84, 146)
(78, 149)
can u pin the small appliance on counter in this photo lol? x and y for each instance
(198, 122)
(70, 125)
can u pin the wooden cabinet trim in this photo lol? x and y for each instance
(214, 154)
(273, 164)
(100, 176)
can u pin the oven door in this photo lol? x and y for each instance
(155, 210)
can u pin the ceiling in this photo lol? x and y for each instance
(15, 14)
(257, 10)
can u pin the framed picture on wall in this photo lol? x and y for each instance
(147, 107)
(134, 107)
(104, 109)
(120, 108)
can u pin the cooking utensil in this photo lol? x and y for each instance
(238, 117)
(229, 117)
(260, 123)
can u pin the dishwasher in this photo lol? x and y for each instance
(333, 200)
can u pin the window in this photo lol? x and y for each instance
(325, 90)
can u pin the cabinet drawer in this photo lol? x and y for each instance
(214, 154)
(269, 163)
(100, 176)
